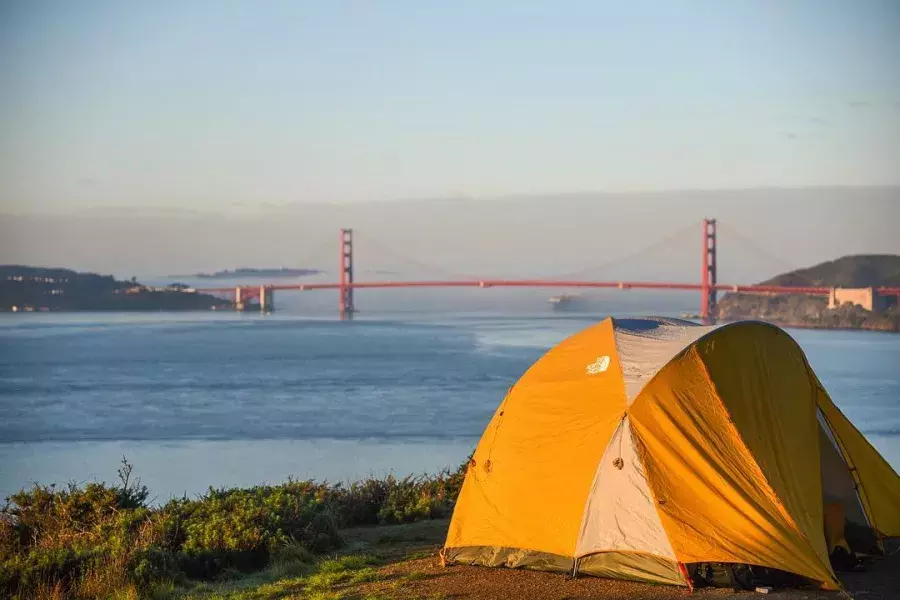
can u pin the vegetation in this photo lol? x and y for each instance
(812, 311)
(358, 576)
(105, 541)
(36, 288)
(864, 270)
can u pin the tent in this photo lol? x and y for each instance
(639, 447)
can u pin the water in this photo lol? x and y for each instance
(225, 399)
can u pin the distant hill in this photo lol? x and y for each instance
(863, 270)
(867, 270)
(24, 288)
(247, 273)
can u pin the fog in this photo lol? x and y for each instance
(592, 235)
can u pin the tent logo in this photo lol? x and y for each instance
(598, 366)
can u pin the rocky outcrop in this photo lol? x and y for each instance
(864, 270)
(803, 311)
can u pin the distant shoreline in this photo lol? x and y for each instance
(803, 312)
(807, 325)
(25, 289)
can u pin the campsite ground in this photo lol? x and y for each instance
(401, 562)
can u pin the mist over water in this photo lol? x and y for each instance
(223, 399)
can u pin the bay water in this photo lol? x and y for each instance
(224, 399)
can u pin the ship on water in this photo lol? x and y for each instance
(564, 302)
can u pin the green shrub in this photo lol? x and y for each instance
(99, 540)
(70, 535)
(291, 560)
(360, 503)
(257, 519)
(406, 501)
(321, 534)
(294, 553)
(210, 564)
(153, 565)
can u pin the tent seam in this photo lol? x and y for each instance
(646, 383)
(587, 500)
(641, 448)
(685, 351)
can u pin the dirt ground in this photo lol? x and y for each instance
(414, 572)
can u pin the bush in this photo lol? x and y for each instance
(292, 553)
(360, 503)
(97, 540)
(258, 519)
(37, 567)
(408, 500)
(154, 565)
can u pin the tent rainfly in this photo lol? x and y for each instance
(638, 447)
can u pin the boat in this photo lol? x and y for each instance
(564, 301)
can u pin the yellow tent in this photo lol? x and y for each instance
(639, 446)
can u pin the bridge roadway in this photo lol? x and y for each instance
(550, 283)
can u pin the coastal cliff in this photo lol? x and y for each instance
(862, 271)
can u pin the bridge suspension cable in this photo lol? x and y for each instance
(265, 291)
(424, 268)
(777, 261)
(681, 234)
(320, 256)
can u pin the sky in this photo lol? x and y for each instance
(220, 106)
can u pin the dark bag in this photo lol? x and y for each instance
(742, 577)
(719, 575)
(843, 561)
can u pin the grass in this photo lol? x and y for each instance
(368, 573)
(325, 579)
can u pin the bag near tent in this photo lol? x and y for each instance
(662, 451)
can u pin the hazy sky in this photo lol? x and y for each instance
(587, 236)
(214, 105)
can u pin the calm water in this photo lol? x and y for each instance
(226, 399)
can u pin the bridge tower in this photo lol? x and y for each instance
(708, 273)
(266, 299)
(345, 293)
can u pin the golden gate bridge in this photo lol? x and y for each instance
(708, 285)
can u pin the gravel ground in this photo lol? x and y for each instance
(881, 581)
(415, 572)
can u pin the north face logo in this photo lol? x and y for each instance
(598, 366)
